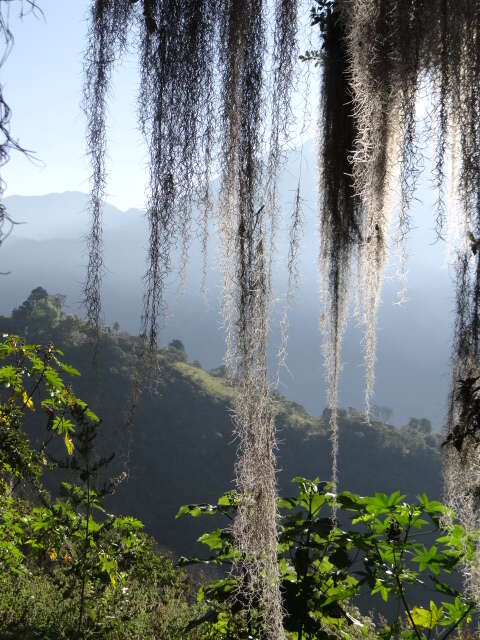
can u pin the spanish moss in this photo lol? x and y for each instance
(209, 104)
(339, 214)
(293, 279)
(106, 39)
(177, 39)
(247, 291)
(461, 460)
(202, 110)
(206, 201)
(392, 49)
(282, 80)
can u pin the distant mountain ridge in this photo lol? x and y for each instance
(412, 372)
(60, 216)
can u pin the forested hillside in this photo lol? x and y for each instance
(180, 448)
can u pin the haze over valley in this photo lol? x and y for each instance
(414, 338)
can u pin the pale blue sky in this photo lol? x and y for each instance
(42, 81)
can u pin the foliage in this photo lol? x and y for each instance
(128, 583)
(30, 381)
(320, 15)
(467, 425)
(68, 568)
(380, 550)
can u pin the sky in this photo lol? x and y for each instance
(42, 80)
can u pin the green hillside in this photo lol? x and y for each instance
(181, 450)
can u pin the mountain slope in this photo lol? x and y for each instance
(181, 450)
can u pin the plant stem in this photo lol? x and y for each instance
(305, 573)
(399, 583)
(407, 608)
(87, 536)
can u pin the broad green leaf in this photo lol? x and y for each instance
(127, 522)
(213, 539)
(8, 376)
(441, 587)
(196, 510)
(427, 619)
(287, 503)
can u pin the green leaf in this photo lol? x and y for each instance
(431, 506)
(53, 379)
(213, 539)
(69, 369)
(428, 558)
(382, 503)
(350, 501)
(229, 502)
(5, 350)
(458, 610)
(85, 409)
(381, 589)
(127, 523)
(422, 618)
(62, 425)
(196, 510)
(287, 503)
(428, 619)
(8, 375)
(221, 590)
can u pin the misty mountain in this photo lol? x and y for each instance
(48, 249)
(60, 215)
